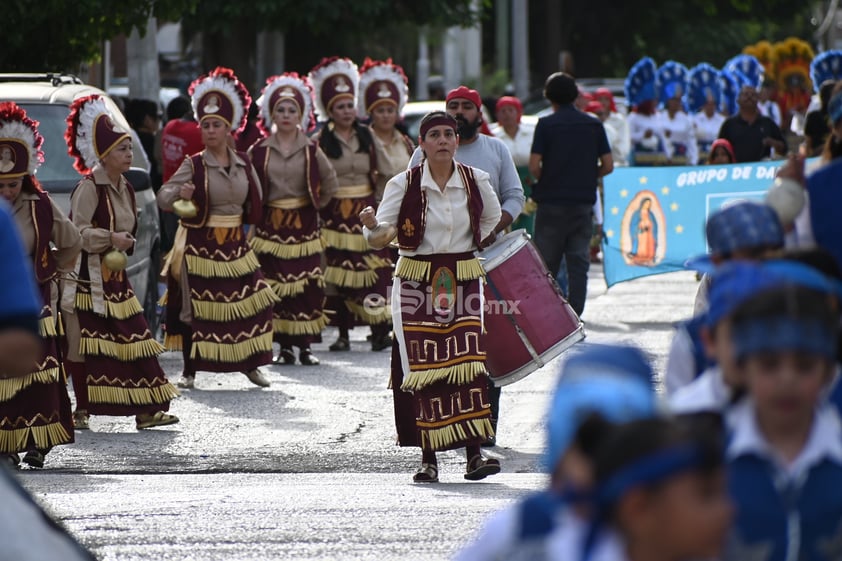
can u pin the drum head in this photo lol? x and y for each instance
(502, 249)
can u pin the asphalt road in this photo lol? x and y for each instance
(308, 469)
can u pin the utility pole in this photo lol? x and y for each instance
(520, 47)
(142, 62)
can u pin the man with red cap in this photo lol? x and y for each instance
(491, 156)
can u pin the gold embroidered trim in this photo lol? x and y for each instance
(445, 437)
(294, 288)
(147, 348)
(9, 387)
(300, 327)
(211, 268)
(232, 352)
(353, 191)
(289, 203)
(173, 342)
(237, 308)
(369, 315)
(346, 241)
(43, 436)
(469, 269)
(47, 327)
(119, 310)
(287, 250)
(412, 269)
(458, 374)
(116, 395)
(350, 279)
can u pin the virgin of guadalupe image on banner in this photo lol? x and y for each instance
(643, 240)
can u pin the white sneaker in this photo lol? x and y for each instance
(186, 382)
(257, 378)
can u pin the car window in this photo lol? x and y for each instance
(57, 172)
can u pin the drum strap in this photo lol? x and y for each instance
(536, 358)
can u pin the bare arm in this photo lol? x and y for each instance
(606, 165)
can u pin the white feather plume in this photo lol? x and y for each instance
(225, 87)
(87, 117)
(17, 130)
(282, 82)
(318, 76)
(382, 72)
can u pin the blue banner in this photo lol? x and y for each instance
(655, 216)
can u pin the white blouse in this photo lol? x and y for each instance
(448, 228)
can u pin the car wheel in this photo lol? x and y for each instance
(150, 301)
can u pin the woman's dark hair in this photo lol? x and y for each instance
(333, 149)
(31, 185)
(637, 440)
(179, 107)
(561, 89)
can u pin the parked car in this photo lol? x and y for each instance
(46, 99)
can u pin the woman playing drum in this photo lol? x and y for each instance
(440, 210)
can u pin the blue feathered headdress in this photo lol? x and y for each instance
(749, 67)
(826, 66)
(672, 80)
(640, 83)
(730, 88)
(704, 84)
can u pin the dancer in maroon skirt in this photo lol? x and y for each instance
(35, 409)
(356, 274)
(441, 211)
(219, 305)
(112, 354)
(297, 180)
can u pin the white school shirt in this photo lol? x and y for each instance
(681, 131)
(707, 393)
(448, 228)
(621, 143)
(707, 128)
(681, 362)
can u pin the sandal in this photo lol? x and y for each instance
(187, 382)
(480, 468)
(158, 419)
(341, 344)
(307, 358)
(81, 420)
(428, 473)
(286, 356)
(380, 343)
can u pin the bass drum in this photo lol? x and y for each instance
(527, 320)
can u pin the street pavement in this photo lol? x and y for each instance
(308, 469)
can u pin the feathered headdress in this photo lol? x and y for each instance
(381, 82)
(730, 87)
(640, 83)
(672, 80)
(220, 94)
(826, 66)
(91, 132)
(765, 54)
(288, 86)
(704, 85)
(20, 142)
(749, 67)
(333, 79)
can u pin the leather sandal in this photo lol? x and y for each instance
(307, 358)
(158, 419)
(187, 382)
(35, 458)
(381, 342)
(480, 468)
(341, 344)
(428, 473)
(286, 356)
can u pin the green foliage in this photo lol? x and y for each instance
(50, 35)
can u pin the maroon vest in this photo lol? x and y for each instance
(42, 219)
(260, 158)
(253, 210)
(412, 217)
(104, 213)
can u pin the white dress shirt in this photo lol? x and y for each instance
(681, 131)
(448, 228)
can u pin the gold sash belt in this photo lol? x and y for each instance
(290, 203)
(175, 257)
(353, 191)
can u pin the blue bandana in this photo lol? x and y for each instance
(783, 334)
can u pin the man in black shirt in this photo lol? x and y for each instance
(752, 135)
(570, 152)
